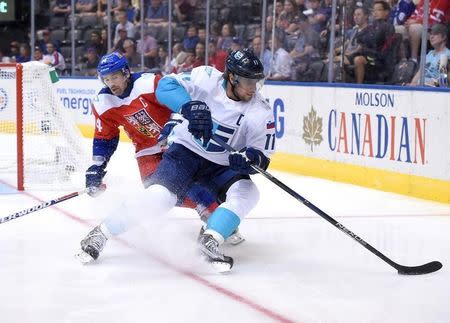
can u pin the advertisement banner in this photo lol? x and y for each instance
(401, 131)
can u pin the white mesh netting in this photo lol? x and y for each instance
(55, 153)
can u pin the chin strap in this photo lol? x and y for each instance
(233, 88)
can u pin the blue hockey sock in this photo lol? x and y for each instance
(223, 221)
(116, 224)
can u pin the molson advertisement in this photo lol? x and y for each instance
(368, 135)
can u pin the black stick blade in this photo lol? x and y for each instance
(420, 270)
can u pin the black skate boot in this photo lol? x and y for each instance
(92, 245)
(209, 250)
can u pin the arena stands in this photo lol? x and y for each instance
(374, 39)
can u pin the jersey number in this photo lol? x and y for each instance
(270, 142)
(98, 125)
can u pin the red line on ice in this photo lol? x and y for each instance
(221, 290)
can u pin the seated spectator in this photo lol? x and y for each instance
(287, 20)
(191, 39)
(24, 53)
(279, 33)
(279, 6)
(54, 58)
(226, 38)
(439, 13)
(91, 62)
(61, 8)
(177, 49)
(306, 49)
(85, 7)
(355, 37)
(14, 50)
(128, 8)
(183, 10)
(202, 35)
(265, 59)
(3, 58)
(149, 46)
(38, 55)
(371, 52)
(282, 62)
(162, 61)
(434, 59)
(46, 38)
(157, 13)
(118, 45)
(95, 42)
(199, 59)
(102, 7)
(235, 44)
(186, 64)
(216, 57)
(320, 14)
(123, 23)
(134, 59)
(401, 12)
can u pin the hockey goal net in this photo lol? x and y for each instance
(41, 148)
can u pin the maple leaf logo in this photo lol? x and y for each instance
(312, 129)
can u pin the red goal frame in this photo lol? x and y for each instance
(19, 122)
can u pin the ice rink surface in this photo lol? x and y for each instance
(293, 267)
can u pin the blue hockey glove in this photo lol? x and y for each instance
(200, 121)
(94, 177)
(241, 161)
(175, 119)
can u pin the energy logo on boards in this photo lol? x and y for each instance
(3, 99)
(312, 129)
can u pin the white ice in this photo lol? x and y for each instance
(293, 267)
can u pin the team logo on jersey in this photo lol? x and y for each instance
(3, 99)
(224, 132)
(142, 121)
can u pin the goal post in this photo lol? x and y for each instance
(41, 146)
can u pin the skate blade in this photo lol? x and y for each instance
(83, 257)
(221, 267)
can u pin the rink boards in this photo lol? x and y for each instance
(389, 138)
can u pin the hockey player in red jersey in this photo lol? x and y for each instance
(128, 100)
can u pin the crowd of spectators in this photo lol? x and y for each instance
(377, 41)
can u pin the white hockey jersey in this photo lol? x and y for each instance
(240, 124)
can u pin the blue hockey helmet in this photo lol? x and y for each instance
(243, 62)
(111, 63)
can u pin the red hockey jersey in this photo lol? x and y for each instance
(139, 113)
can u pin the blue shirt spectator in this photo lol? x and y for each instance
(191, 39)
(157, 11)
(401, 12)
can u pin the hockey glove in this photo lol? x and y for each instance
(200, 121)
(94, 177)
(241, 161)
(175, 119)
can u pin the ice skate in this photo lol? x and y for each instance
(209, 250)
(92, 245)
(235, 238)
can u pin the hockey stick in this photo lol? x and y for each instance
(42, 206)
(403, 270)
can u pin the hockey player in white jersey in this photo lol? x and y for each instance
(128, 100)
(229, 105)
